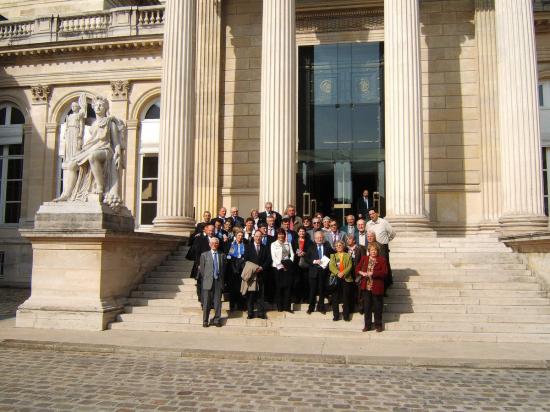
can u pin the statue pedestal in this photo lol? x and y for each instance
(86, 260)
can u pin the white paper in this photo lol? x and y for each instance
(324, 262)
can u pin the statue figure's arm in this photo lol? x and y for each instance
(116, 143)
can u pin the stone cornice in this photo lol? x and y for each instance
(95, 46)
(338, 20)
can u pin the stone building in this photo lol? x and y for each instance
(433, 105)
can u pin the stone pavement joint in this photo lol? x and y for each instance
(278, 357)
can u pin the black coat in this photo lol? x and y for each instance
(311, 255)
(361, 208)
(262, 259)
(278, 218)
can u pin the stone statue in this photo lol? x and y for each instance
(74, 128)
(97, 167)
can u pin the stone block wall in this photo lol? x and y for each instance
(241, 77)
(451, 105)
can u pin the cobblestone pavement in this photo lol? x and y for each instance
(33, 380)
(10, 299)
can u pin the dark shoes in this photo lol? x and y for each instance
(379, 328)
(367, 328)
(336, 318)
(309, 311)
(205, 324)
(347, 319)
(250, 317)
(218, 324)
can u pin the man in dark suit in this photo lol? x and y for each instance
(270, 212)
(259, 254)
(363, 204)
(236, 220)
(349, 228)
(268, 279)
(290, 234)
(212, 268)
(317, 274)
(199, 228)
(222, 215)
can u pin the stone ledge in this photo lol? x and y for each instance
(384, 360)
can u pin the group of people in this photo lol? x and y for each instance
(284, 259)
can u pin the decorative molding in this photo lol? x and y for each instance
(40, 94)
(120, 89)
(340, 20)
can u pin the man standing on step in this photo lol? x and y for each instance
(259, 254)
(212, 268)
(318, 274)
(384, 234)
(201, 245)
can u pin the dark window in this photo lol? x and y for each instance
(153, 112)
(3, 116)
(16, 116)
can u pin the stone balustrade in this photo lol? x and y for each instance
(117, 22)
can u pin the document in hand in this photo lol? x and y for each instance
(324, 262)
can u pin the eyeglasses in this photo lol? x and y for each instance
(333, 225)
(316, 223)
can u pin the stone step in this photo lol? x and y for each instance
(166, 274)
(159, 311)
(513, 277)
(170, 280)
(525, 284)
(463, 308)
(523, 327)
(408, 336)
(146, 302)
(450, 292)
(172, 268)
(468, 300)
(476, 256)
(425, 267)
(160, 287)
(178, 296)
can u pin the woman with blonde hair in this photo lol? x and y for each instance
(373, 269)
(341, 273)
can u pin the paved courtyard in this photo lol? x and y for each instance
(45, 380)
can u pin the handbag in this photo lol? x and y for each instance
(302, 263)
(332, 283)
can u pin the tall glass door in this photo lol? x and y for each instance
(340, 127)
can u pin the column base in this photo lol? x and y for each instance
(411, 225)
(174, 225)
(489, 227)
(511, 225)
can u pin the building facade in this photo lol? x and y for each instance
(439, 108)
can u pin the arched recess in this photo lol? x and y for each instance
(59, 115)
(12, 122)
(147, 162)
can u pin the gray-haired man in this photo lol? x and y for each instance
(212, 268)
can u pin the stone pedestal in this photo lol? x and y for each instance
(86, 260)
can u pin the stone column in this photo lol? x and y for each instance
(488, 96)
(208, 105)
(177, 120)
(278, 104)
(522, 208)
(403, 113)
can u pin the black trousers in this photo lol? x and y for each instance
(317, 286)
(283, 287)
(373, 303)
(233, 280)
(256, 299)
(343, 294)
(388, 280)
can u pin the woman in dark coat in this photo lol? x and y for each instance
(373, 269)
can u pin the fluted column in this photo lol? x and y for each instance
(208, 105)
(519, 118)
(278, 104)
(177, 120)
(488, 96)
(403, 114)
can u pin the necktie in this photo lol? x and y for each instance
(320, 252)
(264, 240)
(216, 270)
(257, 249)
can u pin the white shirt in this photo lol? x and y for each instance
(279, 252)
(383, 230)
(363, 239)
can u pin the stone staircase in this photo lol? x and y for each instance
(445, 289)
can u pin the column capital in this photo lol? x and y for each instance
(40, 94)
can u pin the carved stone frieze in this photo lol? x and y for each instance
(120, 89)
(40, 94)
(340, 20)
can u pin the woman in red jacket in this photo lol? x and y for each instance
(372, 269)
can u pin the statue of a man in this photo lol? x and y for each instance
(97, 167)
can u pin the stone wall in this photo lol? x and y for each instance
(240, 143)
(451, 111)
